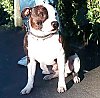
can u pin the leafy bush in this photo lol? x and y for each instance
(94, 18)
(4, 17)
(72, 14)
(93, 11)
(7, 7)
(65, 14)
(80, 19)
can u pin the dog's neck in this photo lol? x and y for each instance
(37, 34)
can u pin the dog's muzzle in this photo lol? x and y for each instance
(55, 25)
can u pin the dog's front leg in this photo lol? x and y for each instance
(61, 65)
(31, 73)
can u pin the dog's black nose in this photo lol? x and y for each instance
(55, 24)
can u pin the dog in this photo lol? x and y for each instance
(41, 43)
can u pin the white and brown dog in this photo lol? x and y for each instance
(42, 44)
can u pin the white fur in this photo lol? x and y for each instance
(75, 65)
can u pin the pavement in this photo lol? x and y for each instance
(13, 77)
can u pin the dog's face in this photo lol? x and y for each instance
(42, 18)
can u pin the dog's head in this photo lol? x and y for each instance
(42, 18)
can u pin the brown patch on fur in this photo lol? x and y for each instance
(25, 42)
(38, 15)
(26, 12)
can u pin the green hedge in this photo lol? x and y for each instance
(94, 18)
(6, 6)
(80, 19)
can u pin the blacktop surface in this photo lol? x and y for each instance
(13, 77)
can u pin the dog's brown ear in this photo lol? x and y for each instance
(26, 12)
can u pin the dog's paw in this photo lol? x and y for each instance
(61, 88)
(51, 76)
(76, 79)
(47, 77)
(26, 90)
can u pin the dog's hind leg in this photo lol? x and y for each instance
(44, 69)
(31, 73)
(76, 65)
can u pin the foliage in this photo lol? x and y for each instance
(80, 19)
(7, 7)
(4, 17)
(93, 11)
(94, 16)
(65, 17)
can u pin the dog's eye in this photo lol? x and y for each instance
(39, 22)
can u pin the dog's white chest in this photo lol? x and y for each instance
(44, 50)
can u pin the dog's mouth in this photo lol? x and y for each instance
(53, 31)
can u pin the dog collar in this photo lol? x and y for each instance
(42, 37)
